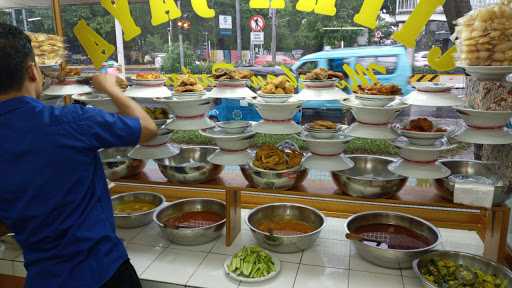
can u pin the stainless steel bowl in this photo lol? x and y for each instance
(369, 178)
(190, 166)
(392, 258)
(117, 164)
(194, 236)
(445, 186)
(285, 211)
(470, 260)
(274, 180)
(136, 219)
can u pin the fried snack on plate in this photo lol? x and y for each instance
(323, 124)
(148, 76)
(279, 85)
(423, 124)
(484, 37)
(379, 89)
(187, 84)
(320, 74)
(269, 157)
(232, 74)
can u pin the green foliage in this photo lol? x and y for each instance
(171, 62)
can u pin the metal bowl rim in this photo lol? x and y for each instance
(431, 226)
(466, 161)
(486, 260)
(297, 168)
(161, 160)
(324, 222)
(155, 215)
(342, 172)
(162, 198)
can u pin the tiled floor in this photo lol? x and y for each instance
(331, 262)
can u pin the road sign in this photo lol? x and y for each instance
(257, 23)
(225, 22)
(257, 37)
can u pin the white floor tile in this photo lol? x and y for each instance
(464, 247)
(284, 279)
(6, 267)
(174, 266)
(210, 274)
(359, 264)
(460, 236)
(128, 234)
(141, 256)
(315, 277)
(200, 248)
(328, 253)
(408, 273)
(334, 229)
(244, 238)
(360, 279)
(151, 236)
(19, 269)
(412, 282)
(9, 252)
(289, 257)
(153, 284)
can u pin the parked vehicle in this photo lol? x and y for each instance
(394, 58)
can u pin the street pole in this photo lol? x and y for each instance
(274, 35)
(238, 31)
(170, 34)
(24, 15)
(180, 38)
(13, 16)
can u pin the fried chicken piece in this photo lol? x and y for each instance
(379, 89)
(323, 124)
(338, 75)
(268, 89)
(420, 125)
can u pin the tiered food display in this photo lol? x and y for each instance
(322, 74)
(224, 74)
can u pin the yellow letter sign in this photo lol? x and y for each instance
(416, 22)
(201, 8)
(442, 62)
(121, 10)
(324, 7)
(163, 11)
(263, 4)
(94, 45)
(369, 13)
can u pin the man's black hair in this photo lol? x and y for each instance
(15, 53)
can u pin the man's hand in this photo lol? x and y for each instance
(106, 83)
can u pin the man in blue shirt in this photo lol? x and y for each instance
(53, 192)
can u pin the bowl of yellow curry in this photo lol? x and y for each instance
(135, 209)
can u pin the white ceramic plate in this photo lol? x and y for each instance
(434, 99)
(190, 124)
(432, 87)
(418, 170)
(483, 119)
(439, 145)
(488, 72)
(275, 98)
(63, 90)
(142, 82)
(374, 100)
(230, 158)
(188, 95)
(147, 92)
(420, 138)
(157, 152)
(217, 132)
(371, 131)
(279, 128)
(328, 163)
(276, 261)
(484, 136)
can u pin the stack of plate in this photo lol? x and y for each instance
(274, 98)
(157, 148)
(277, 117)
(484, 127)
(375, 100)
(191, 114)
(326, 154)
(322, 133)
(421, 138)
(373, 122)
(232, 147)
(188, 95)
(420, 161)
(232, 89)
